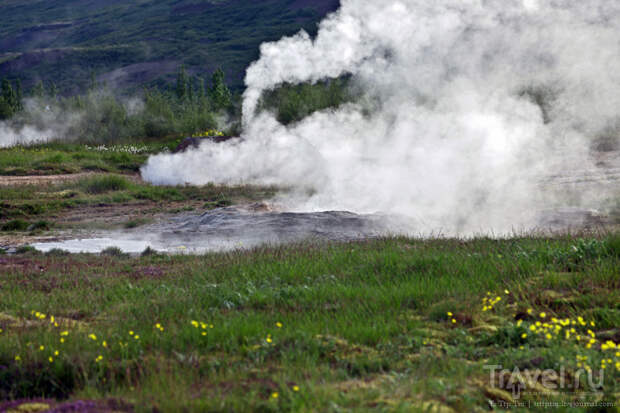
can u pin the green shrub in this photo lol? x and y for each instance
(15, 225)
(134, 223)
(114, 252)
(25, 249)
(149, 252)
(103, 184)
(57, 252)
(292, 103)
(40, 226)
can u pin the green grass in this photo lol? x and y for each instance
(388, 325)
(113, 182)
(59, 158)
(24, 205)
(103, 184)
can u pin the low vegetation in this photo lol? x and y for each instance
(39, 207)
(292, 103)
(390, 325)
(57, 158)
(97, 116)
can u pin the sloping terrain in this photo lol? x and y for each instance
(128, 44)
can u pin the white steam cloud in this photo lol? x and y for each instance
(469, 103)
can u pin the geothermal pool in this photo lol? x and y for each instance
(232, 228)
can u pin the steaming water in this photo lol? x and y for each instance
(467, 105)
(233, 228)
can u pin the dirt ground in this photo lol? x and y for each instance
(85, 219)
(54, 179)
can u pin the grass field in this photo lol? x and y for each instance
(60, 158)
(388, 325)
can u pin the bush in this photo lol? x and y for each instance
(15, 225)
(149, 252)
(103, 184)
(292, 103)
(114, 252)
(134, 223)
(57, 252)
(40, 226)
(25, 249)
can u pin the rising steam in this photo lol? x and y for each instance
(468, 104)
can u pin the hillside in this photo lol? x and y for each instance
(128, 44)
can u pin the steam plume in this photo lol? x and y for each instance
(471, 103)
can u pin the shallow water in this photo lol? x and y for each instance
(232, 228)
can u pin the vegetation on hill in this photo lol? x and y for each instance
(132, 44)
(98, 116)
(185, 108)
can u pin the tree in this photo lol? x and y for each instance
(200, 92)
(6, 111)
(190, 91)
(93, 81)
(53, 90)
(8, 100)
(182, 83)
(38, 90)
(219, 94)
(19, 95)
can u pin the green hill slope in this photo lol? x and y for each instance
(128, 44)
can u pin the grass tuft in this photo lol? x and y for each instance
(104, 184)
(114, 252)
(15, 225)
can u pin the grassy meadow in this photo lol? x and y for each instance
(384, 325)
